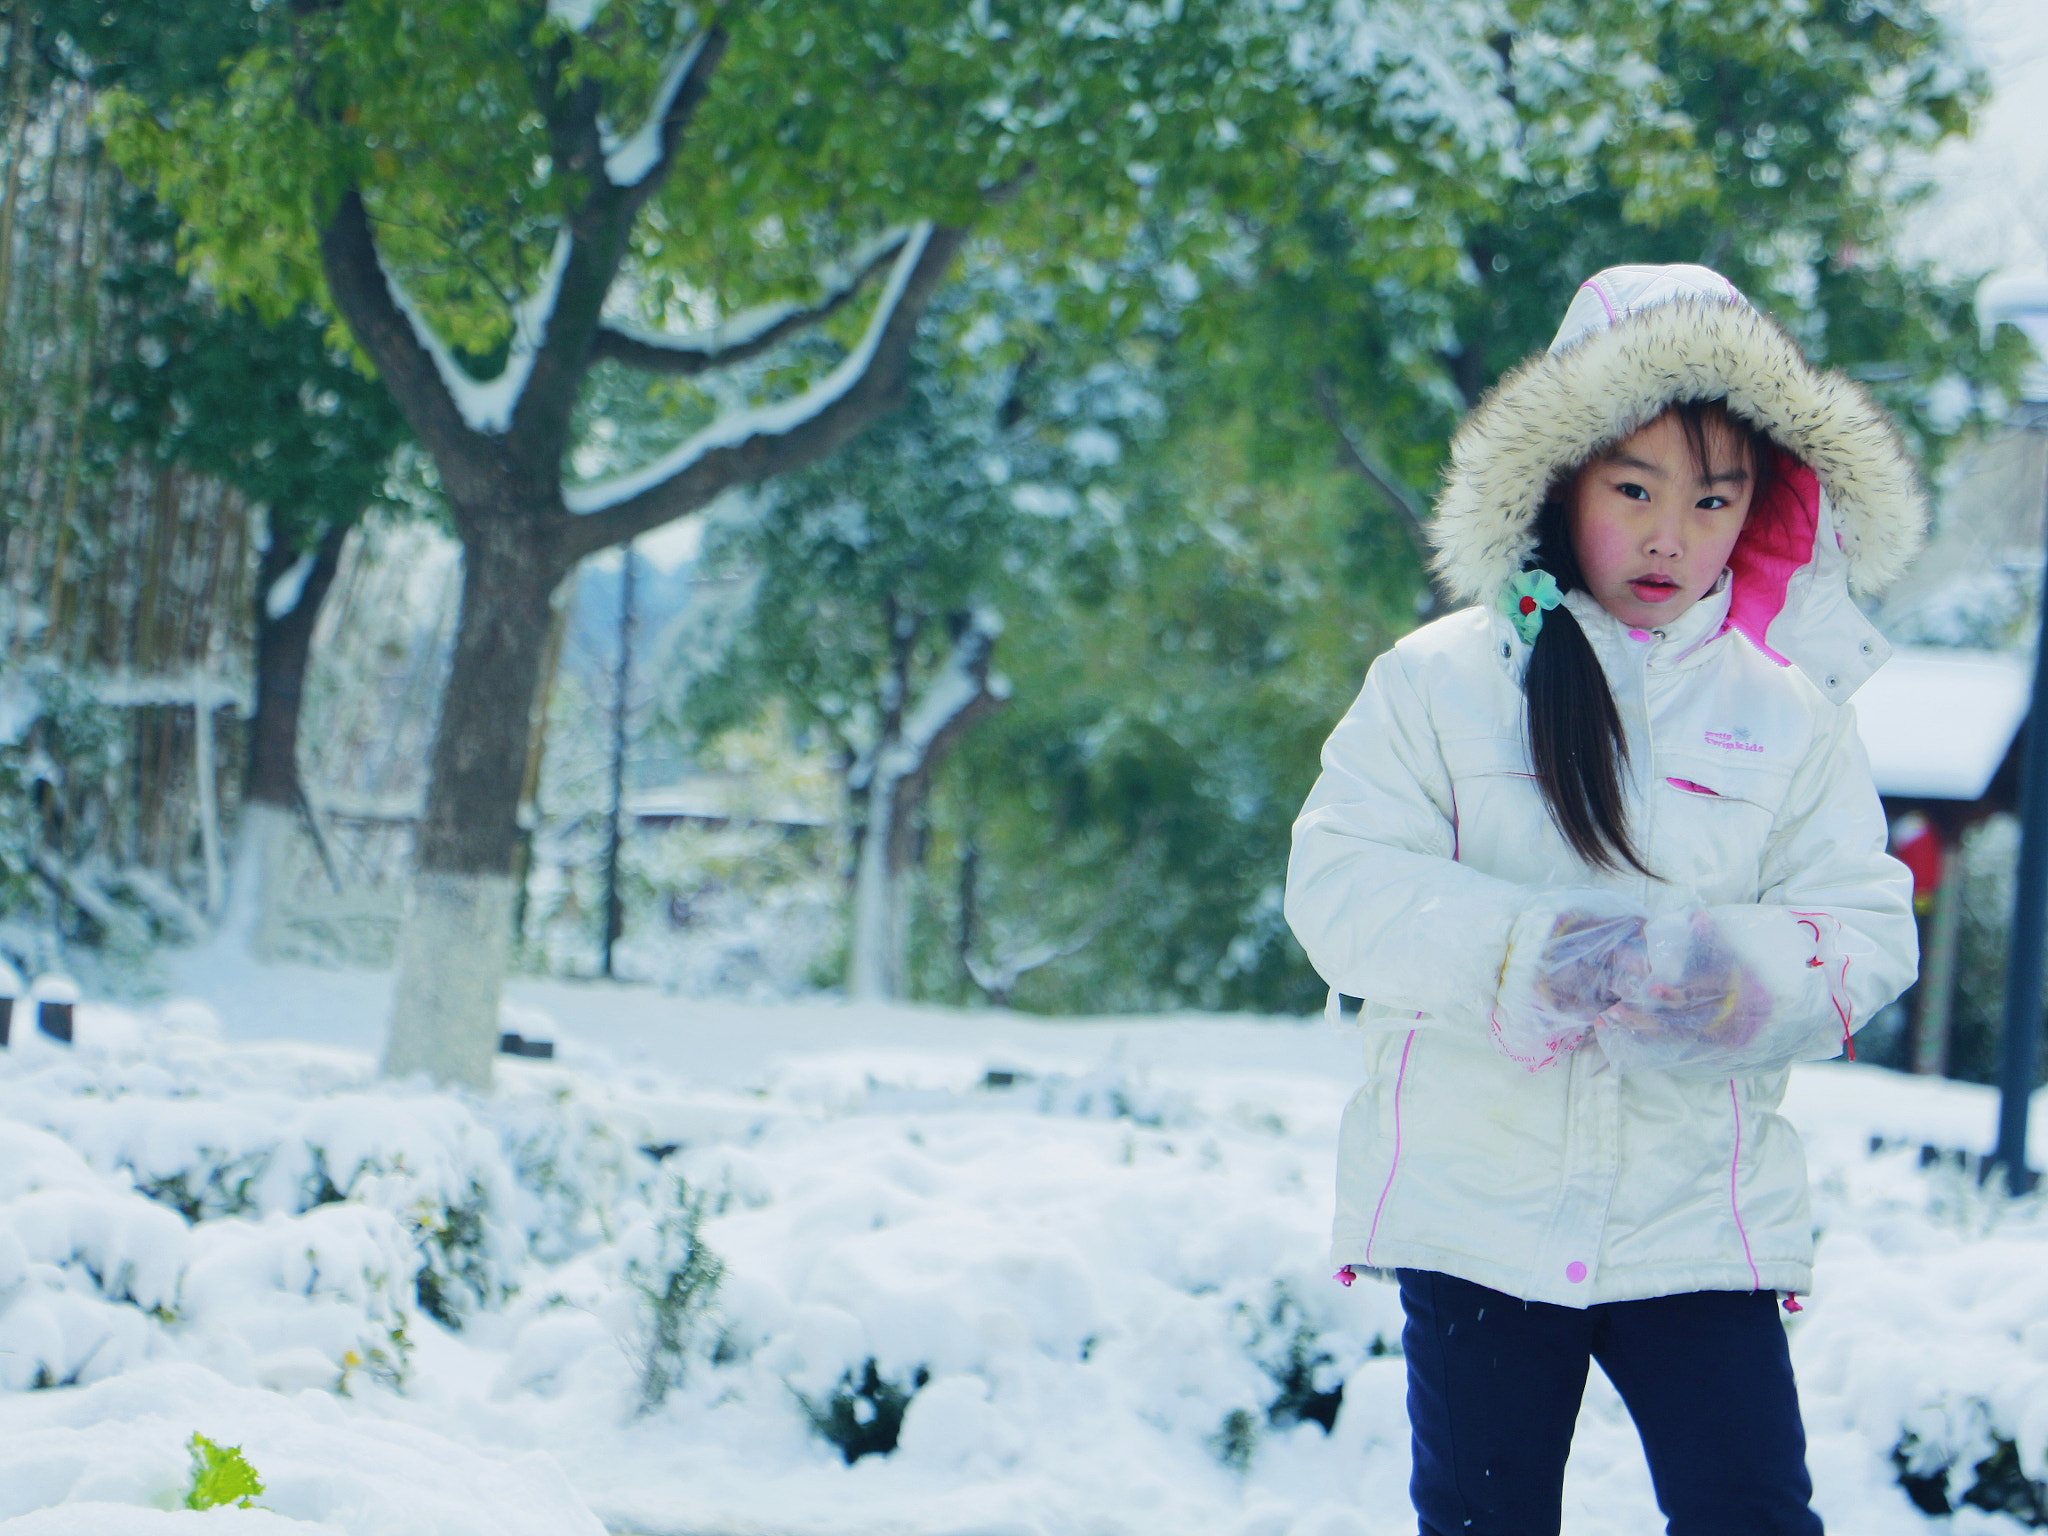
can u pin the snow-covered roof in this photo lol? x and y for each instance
(2022, 301)
(1937, 722)
(723, 797)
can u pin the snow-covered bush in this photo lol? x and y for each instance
(1005, 1270)
(88, 1273)
(76, 835)
(676, 1276)
(1307, 1375)
(1981, 1469)
(156, 1203)
(863, 1413)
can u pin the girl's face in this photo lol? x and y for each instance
(1652, 530)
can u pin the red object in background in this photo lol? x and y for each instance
(1920, 851)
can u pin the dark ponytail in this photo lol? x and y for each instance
(1576, 743)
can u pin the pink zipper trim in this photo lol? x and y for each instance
(1693, 789)
(1756, 1282)
(1400, 1081)
(1838, 984)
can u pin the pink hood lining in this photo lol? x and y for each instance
(1774, 545)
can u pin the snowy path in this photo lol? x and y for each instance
(1100, 1244)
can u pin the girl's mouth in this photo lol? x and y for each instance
(1653, 589)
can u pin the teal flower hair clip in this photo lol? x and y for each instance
(1529, 596)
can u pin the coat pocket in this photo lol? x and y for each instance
(1474, 757)
(1712, 820)
(1502, 824)
(1724, 777)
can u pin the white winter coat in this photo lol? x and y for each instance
(1425, 859)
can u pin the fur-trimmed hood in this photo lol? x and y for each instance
(1636, 339)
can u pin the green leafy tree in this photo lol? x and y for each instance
(500, 197)
(1117, 838)
(876, 592)
(1178, 612)
(269, 408)
(109, 358)
(1767, 139)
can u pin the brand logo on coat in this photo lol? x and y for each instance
(1732, 741)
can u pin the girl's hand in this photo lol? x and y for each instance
(1694, 1001)
(1572, 955)
(1591, 962)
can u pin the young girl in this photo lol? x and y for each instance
(1602, 856)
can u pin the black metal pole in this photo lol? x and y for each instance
(622, 681)
(2021, 1047)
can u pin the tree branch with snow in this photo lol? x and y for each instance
(892, 779)
(639, 161)
(564, 321)
(746, 447)
(408, 356)
(751, 332)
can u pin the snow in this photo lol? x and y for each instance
(1987, 211)
(770, 420)
(202, 690)
(748, 326)
(576, 15)
(1096, 1238)
(487, 405)
(48, 988)
(1937, 721)
(283, 595)
(627, 161)
(2020, 301)
(956, 686)
(20, 708)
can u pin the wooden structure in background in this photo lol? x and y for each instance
(1942, 727)
(125, 584)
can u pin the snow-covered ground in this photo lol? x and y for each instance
(1097, 1244)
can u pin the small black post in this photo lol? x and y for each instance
(614, 907)
(2020, 1051)
(12, 990)
(53, 1018)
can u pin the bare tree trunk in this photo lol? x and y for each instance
(273, 796)
(520, 535)
(895, 779)
(284, 646)
(452, 954)
(536, 755)
(21, 40)
(875, 963)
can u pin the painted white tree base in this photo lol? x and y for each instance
(451, 963)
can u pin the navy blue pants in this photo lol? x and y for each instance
(1494, 1385)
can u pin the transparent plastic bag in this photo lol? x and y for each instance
(1571, 956)
(1694, 1001)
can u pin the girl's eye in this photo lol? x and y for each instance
(1633, 491)
(1713, 503)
